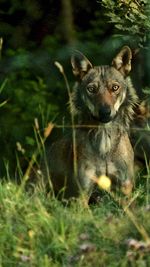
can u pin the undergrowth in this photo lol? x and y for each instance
(38, 230)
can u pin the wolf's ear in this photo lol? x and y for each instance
(122, 61)
(80, 64)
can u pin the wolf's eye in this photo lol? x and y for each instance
(92, 89)
(115, 87)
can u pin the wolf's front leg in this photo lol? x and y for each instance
(86, 175)
(121, 166)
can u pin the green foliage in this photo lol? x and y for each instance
(129, 17)
(26, 96)
(23, 14)
(33, 38)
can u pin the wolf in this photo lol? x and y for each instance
(102, 102)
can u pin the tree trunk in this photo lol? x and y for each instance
(67, 22)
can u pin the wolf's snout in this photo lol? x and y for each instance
(105, 113)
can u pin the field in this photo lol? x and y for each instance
(38, 230)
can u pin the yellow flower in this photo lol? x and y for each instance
(31, 233)
(104, 182)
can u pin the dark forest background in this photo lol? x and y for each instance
(37, 33)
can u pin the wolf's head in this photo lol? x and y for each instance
(101, 90)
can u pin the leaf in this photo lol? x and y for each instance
(3, 103)
(3, 85)
(48, 129)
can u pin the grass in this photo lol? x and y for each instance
(38, 230)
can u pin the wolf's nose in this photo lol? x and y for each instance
(105, 110)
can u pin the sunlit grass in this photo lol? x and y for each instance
(38, 230)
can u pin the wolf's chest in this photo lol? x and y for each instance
(105, 140)
(105, 143)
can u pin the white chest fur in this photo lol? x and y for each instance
(105, 141)
(106, 138)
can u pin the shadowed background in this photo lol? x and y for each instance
(36, 34)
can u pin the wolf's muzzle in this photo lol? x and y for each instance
(105, 114)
